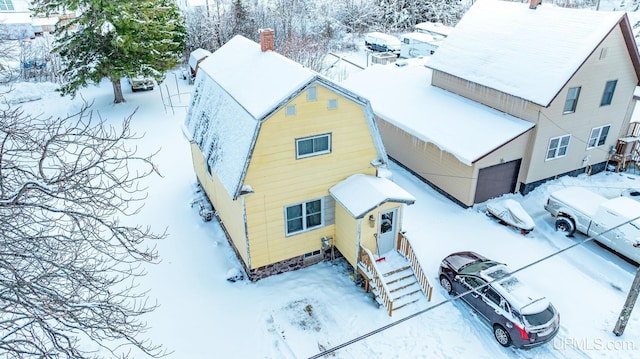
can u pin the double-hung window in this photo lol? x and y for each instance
(598, 136)
(558, 147)
(313, 146)
(607, 95)
(303, 216)
(572, 100)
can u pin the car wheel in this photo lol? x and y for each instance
(566, 225)
(446, 284)
(502, 336)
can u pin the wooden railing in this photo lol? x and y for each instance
(368, 263)
(404, 247)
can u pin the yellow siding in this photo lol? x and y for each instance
(346, 237)
(229, 211)
(279, 180)
(440, 168)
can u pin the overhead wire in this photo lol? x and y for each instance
(451, 299)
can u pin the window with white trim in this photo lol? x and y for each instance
(607, 95)
(303, 216)
(6, 5)
(572, 100)
(312, 93)
(598, 136)
(332, 104)
(313, 146)
(558, 147)
(291, 110)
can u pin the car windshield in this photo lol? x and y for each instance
(477, 266)
(540, 318)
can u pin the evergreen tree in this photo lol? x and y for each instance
(116, 39)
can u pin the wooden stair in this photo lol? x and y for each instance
(400, 282)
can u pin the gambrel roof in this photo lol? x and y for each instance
(527, 53)
(237, 88)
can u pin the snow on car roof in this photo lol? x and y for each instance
(520, 296)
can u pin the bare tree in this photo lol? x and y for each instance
(68, 264)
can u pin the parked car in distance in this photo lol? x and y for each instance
(517, 315)
(141, 83)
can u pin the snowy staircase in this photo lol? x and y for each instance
(397, 285)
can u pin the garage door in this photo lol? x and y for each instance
(497, 180)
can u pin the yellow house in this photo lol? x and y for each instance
(281, 152)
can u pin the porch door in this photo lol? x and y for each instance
(387, 231)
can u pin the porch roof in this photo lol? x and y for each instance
(361, 193)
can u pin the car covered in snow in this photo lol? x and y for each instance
(141, 83)
(516, 314)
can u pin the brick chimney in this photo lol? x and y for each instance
(266, 39)
(533, 4)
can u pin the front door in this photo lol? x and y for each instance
(387, 231)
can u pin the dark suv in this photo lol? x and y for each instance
(518, 316)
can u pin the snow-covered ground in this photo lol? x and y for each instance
(299, 314)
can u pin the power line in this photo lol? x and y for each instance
(393, 324)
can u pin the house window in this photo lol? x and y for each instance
(333, 104)
(291, 110)
(312, 94)
(303, 216)
(313, 146)
(598, 136)
(607, 96)
(558, 147)
(572, 100)
(6, 5)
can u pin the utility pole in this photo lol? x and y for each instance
(628, 305)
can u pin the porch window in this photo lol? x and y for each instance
(313, 146)
(304, 216)
(609, 89)
(598, 136)
(558, 147)
(572, 100)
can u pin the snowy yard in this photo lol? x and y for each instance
(299, 314)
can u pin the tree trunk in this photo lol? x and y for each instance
(117, 91)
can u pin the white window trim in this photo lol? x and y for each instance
(575, 103)
(304, 215)
(328, 150)
(597, 138)
(556, 156)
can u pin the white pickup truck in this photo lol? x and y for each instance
(612, 222)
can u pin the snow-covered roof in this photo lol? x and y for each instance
(403, 96)
(520, 296)
(15, 18)
(527, 53)
(434, 28)
(197, 55)
(361, 193)
(259, 81)
(239, 86)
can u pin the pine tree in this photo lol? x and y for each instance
(115, 39)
